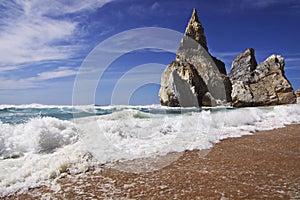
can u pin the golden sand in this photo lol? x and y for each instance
(265, 165)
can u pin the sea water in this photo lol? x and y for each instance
(38, 143)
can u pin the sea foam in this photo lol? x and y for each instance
(40, 149)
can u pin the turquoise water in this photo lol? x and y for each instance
(17, 115)
(22, 114)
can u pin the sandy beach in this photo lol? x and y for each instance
(264, 165)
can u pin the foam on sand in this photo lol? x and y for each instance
(39, 150)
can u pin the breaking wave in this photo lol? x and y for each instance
(37, 149)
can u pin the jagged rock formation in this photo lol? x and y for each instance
(195, 78)
(259, 85)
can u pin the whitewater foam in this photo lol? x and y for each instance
(38, 135)
(37, 151)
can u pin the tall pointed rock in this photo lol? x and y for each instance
(194, 35)
(195, 30)
(195, 78)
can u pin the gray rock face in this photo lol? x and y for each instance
(243, 66)
(181, 85)
(214, 86)
(260, 85)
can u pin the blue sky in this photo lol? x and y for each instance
(44, 43)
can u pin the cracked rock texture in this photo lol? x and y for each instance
(259, 85)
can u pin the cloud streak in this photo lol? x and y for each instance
(7, 68)
(35, 82)
(34, 31)
(59, 73)
(259, 4)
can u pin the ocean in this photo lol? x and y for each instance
(40, 143)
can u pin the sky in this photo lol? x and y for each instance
(45, 44)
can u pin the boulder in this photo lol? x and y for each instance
(208, 71)
(259, 85)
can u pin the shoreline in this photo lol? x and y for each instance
(259, 166)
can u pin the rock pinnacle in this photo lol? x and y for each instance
(195, 30)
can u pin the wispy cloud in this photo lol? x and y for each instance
(10, 84)
(154, 6)
(292, 59)
(7, 68)
(34, 30)
(227, 54)
(140, 10)
(58, 73)
(292, 68)
(292, 63)
(35, 81)
(259, 4)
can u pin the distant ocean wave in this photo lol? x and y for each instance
(38, 141)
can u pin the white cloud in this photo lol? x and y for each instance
(61, 7)
(7, 68)
(59, 73)
(34, 30)
(35, 82)
(9, 84)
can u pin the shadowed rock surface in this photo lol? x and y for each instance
(187, 86)
(179, 89)
(259, 85)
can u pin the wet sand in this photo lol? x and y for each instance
(265, 165)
